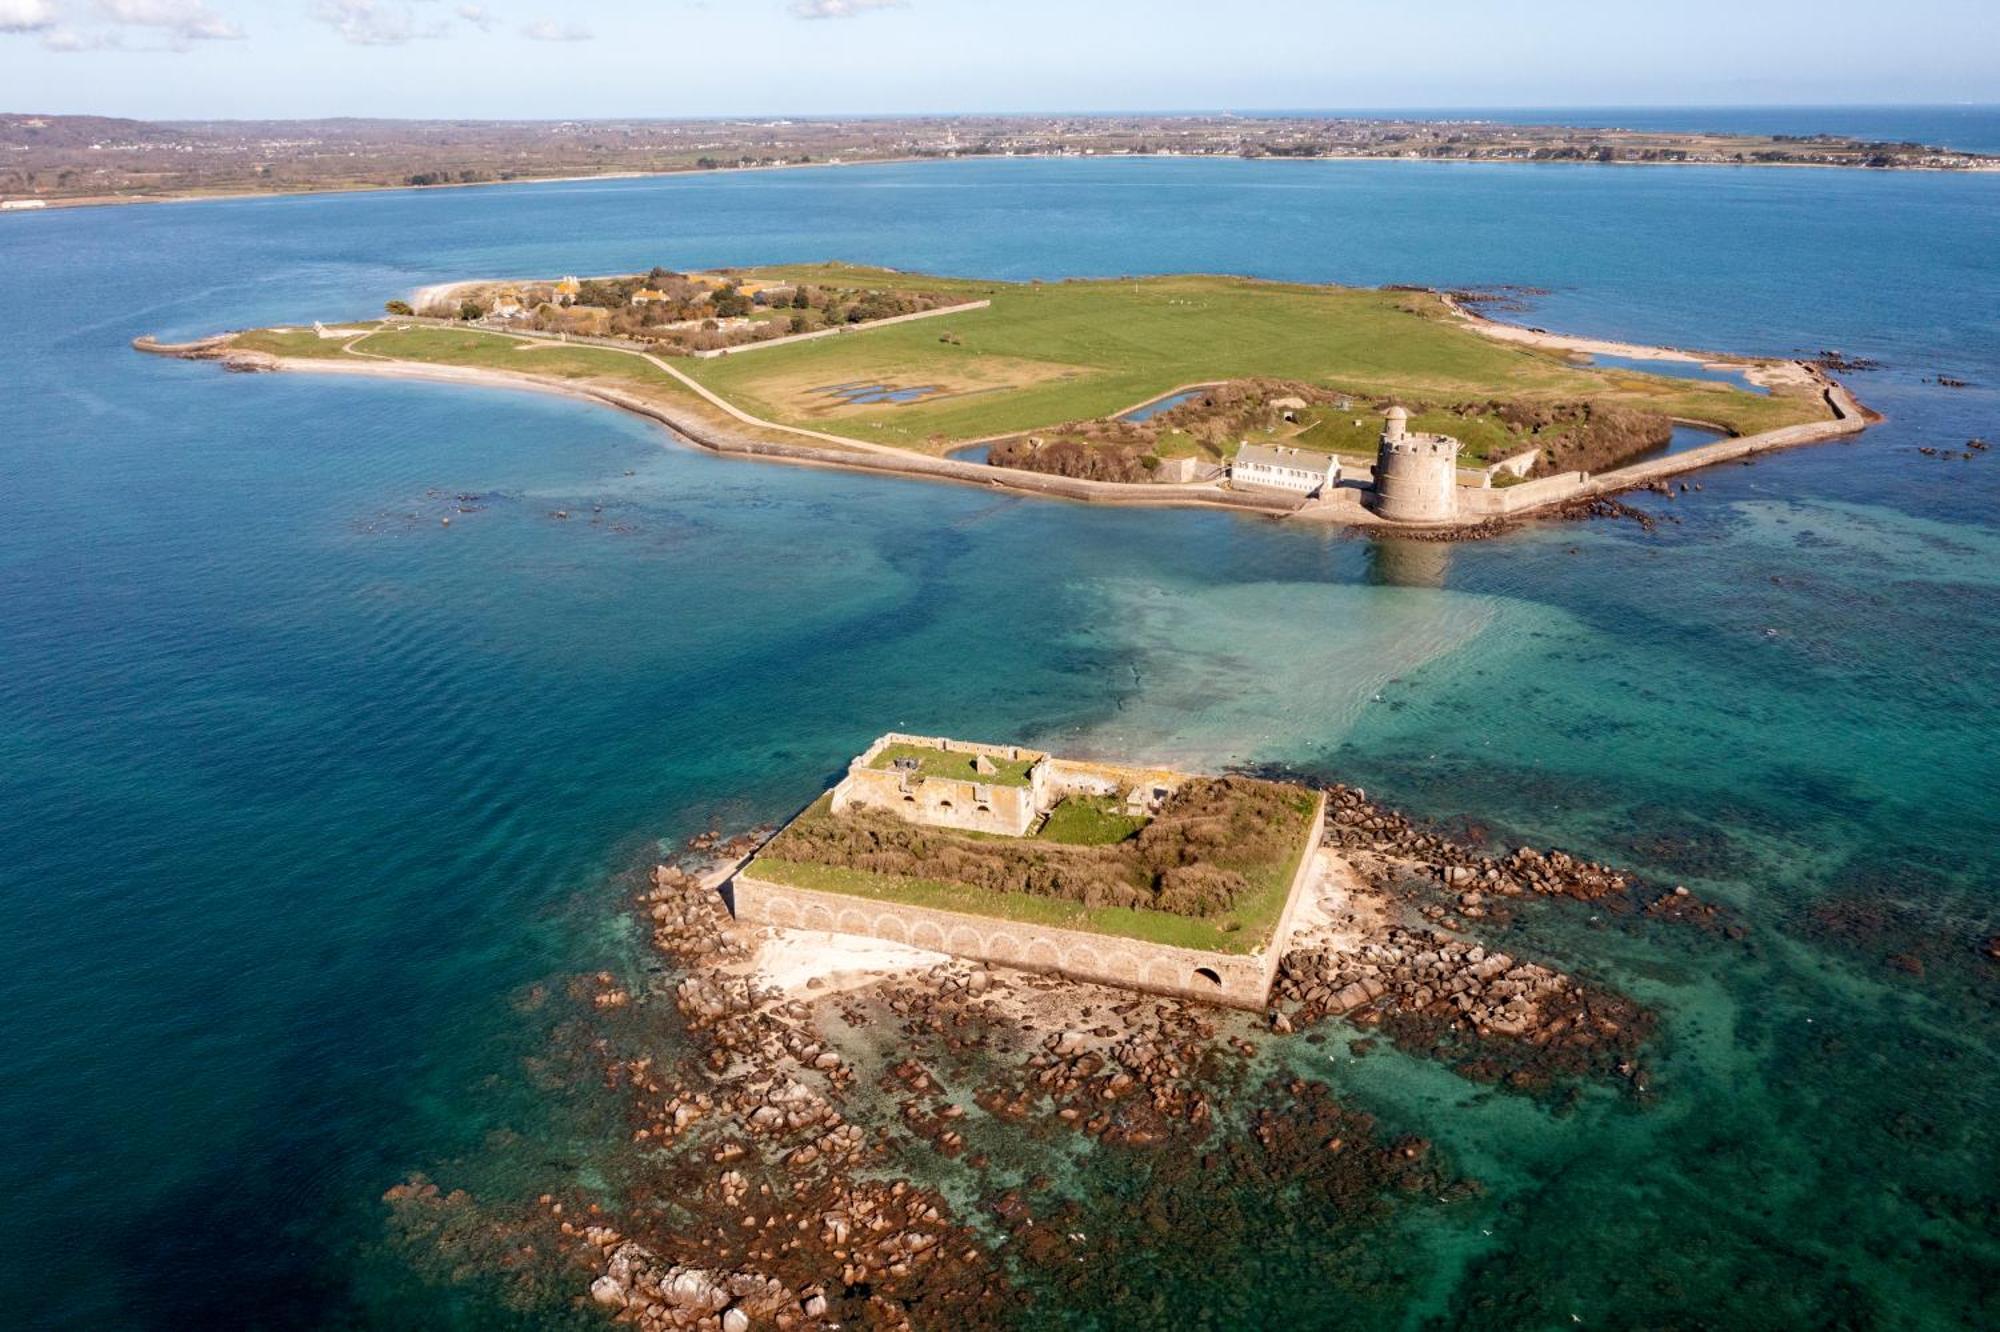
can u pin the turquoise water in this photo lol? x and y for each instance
(304, 792)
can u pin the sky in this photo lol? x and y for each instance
(542, 59)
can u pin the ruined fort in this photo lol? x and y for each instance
(1009, 791)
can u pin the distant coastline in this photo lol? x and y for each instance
(52, 205)
(81, 161)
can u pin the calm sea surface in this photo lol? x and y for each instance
(302, 793)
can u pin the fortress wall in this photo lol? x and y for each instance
(1850, 418)
(1241, 981)
(1076, 775)
(941, 801)
(945, 742)
(1234, 980)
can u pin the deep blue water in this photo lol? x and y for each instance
(302, 792)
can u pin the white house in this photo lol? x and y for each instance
(1274, 467)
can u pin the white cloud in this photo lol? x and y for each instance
(835, 9)
(70, 40)
(27, 15)
(371, 23)
(479, 16)
(548, 30)
(181, 20)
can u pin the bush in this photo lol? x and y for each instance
(398, 308)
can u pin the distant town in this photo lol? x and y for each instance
(49, 159)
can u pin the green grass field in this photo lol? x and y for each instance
(1089, 821)
(1044, 354)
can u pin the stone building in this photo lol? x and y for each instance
(976, 787)
(1275, 467)
(950, 783)
(1416, 475)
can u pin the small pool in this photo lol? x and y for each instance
(1148, 411)
(865, 394)
(1681, 370)
(1684, 438)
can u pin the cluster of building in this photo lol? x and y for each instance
(1414, 478)
(1008, 790)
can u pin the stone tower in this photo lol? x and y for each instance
(1416, 476)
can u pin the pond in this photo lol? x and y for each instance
(1681, 370)
(866, 394)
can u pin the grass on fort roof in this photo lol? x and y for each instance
(955, 764)
(1245, 930)
(1048, 353)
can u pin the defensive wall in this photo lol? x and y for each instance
(1238, 980)
(1849, 418)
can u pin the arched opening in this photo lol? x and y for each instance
(1207, 978)
(909, 800)
(944, 806)
(986, 809)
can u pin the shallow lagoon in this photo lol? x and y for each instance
(305, 793)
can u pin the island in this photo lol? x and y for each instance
(1392, 406)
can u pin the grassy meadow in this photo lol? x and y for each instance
(1047, 353)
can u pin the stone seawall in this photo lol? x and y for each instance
(1517, 501)
(1234, 979)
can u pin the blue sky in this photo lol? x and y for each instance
(578, 58)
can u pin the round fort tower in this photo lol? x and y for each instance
(1416, 476)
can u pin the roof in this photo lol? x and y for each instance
(1397, 414)
(1292, 460)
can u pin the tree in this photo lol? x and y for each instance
(398, 308)
(470, 310)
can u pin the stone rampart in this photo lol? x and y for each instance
(1238, 980)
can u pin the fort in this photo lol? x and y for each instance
(1063, 822)
(1416, 476)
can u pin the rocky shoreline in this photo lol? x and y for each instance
(883, 1149)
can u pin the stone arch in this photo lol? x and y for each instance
(966, 942)
(852, 921)
(1082, 959)
(1162, 974)
(1042, 953)
(813, 916)
(928, 934)
(1005, 944)
(1207, 978)
(889, 925)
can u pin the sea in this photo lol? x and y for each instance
(312, 803)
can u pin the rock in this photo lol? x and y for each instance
(736, 1321)
(607, 1292)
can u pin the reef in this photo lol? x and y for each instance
(895, 1149)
